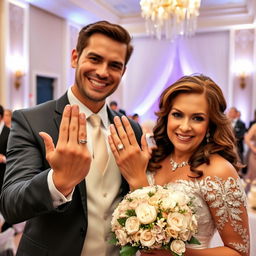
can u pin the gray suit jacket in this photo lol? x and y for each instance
(25, 195)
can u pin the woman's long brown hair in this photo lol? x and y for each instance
(221, 140)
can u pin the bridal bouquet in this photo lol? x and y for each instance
(154, 217)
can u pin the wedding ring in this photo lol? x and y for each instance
(82, 141)
(120, 147)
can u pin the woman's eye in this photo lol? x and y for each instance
(199, 118)
(176, 114)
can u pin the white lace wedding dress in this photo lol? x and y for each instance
(226, 197)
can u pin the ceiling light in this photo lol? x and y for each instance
(170, 18)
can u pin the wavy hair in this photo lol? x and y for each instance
(221, 140)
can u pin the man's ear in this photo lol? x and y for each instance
(74, 58)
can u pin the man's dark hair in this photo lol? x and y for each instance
(113, 103)
(1, 111)
(113, 31)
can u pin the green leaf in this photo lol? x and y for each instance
(193, 240)
(122, 221)
(113, 239)
(175, 254)
(150, 193)
(131, 212)
(128, 250)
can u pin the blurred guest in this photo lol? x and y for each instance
(136, 117)
(4, 133)
(8, 117)
(114, 106)
(253, 121)
(250, 140)
(239, 129)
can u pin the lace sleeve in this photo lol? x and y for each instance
(227, 202)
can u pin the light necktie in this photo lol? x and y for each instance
(100, 153)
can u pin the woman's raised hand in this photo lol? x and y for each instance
(130, 158)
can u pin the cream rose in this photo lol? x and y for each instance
(178, 246)
(147, 238)
(122, 237)
(185, 235)
(177, 221)
(136, 236)
(132, 225)
(172, 232)
(180, 198)
(168, 203)
(193, 224)
(146, 213)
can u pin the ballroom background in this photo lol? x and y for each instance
(36, 39)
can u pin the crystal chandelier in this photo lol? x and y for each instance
(170, 18)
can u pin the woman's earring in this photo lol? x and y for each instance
(208, 137)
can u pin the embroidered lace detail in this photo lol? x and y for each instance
(227, 196)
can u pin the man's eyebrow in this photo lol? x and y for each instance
(93, 54)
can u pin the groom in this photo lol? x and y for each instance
(50, 181)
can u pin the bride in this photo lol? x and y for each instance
(195, 152)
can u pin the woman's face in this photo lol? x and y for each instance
(188, 122)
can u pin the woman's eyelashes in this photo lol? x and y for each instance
(178, 115)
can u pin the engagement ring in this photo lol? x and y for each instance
(120, 147)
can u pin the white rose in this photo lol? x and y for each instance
(122, 237)
(146, 213)
(134, 203)
(143, 192)
(178, 246)
(136, 237)
(185, 235)
(177, 221)
(168, 203)
(180, 198)
(172, 232)
(147, 238)
(132, 225)
(155, 199)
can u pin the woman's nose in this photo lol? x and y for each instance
(185, 125)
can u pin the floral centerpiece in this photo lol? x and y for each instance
(154, 217)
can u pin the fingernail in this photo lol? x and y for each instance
(82, 116)
(68, 107)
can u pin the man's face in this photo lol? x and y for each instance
(232, 114)
(99, 70)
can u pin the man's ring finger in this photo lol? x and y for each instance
(82, 141)
(120, 147)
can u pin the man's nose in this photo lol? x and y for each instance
(102, 70)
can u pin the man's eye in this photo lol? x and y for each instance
(94, 59)
(116, 66)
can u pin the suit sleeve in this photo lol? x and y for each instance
(25, 192)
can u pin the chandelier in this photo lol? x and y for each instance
(170, 18)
